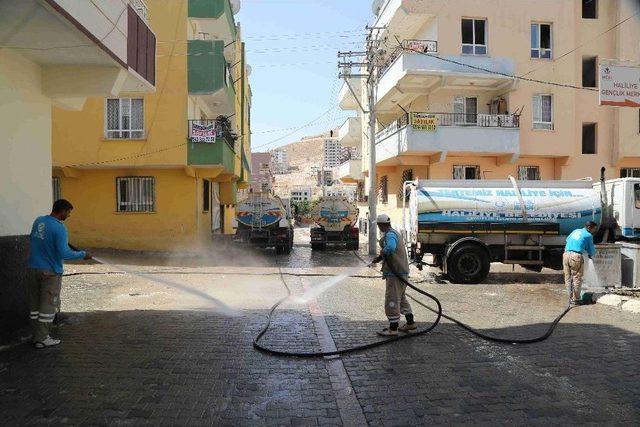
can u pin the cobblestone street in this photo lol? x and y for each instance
(140, 351)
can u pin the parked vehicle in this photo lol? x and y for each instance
(335, 218)
(265, 220)
(466, 224)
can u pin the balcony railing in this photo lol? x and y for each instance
(426, 46)
(508, 121)
(210, 131)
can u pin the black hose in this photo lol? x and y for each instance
(479, 334)
(258, 346)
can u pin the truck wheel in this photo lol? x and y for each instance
(279, 250)
(468, 264)
(315, 247)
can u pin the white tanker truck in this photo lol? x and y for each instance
(465, 225)
(264, 220)
(336, 219)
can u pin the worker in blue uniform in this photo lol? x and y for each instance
(579, 243)
(49, 249)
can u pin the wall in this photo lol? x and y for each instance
(25, 177)
(95, 222)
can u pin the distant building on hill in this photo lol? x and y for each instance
(262, 178)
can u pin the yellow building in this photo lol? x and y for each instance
(455, 111)
(137, 167)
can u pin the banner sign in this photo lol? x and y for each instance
(619, 85)
(424, 121)
(428, 46)
(202, 132)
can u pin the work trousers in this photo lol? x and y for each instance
(44, 301)
(573, 265)
(395, 299)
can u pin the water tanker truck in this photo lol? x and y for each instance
(335, 218)
(465, 225)
(264, 220)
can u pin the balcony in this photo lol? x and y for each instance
(346, 100)
(105, 59)
(209, 76)
(214, 20)
(413, 74)
(430, 137)
(350, 172)
(402, 18)
(350, 133)
(211, 146)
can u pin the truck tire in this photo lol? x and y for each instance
(279, 249)
(468, 264)
(353, 245)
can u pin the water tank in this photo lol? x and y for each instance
(376, 6)
(235, 6)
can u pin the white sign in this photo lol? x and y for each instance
(619, 85)
(202, 132)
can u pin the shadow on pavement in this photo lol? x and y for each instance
(184, 366)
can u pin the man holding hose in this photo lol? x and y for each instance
(394, 260)
(578, 243)
(49, 249)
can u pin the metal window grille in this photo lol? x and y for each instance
(124, 118)
(206, 195)
(136, 194)
(466, 172)
(383, 189)
(630, 173)
(55, 185)
(529, 173)
(543, 112)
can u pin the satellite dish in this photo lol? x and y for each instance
(376, 6)
(249, 69)
(235, 6)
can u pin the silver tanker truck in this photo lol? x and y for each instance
(335, 218)
(466, 225)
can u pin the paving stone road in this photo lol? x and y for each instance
(139, 352)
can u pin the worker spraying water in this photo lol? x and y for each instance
(579, 243)
(394, 252)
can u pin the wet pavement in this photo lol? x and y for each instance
(158, 349)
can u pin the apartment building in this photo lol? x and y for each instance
(262, 178)
(332, 152)
(280, 161)
(448, 106)
(347, 191)
(301, 194)
(60, 55)
(162, 171)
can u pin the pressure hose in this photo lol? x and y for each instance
(438, 312)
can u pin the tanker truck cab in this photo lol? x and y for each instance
(335, 218)
(623, 200)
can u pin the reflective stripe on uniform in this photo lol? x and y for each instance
(47, 318)
(34, 315)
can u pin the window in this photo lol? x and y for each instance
(630, 173)
(206, 195)
(55, 185)
(541, 42)
(124, 118)
(589, 9)
(529, 173)
(589, 67)
(383, 189)
(465, 110)
(589, 132)
(466, 172)
(474, 36)
(543, 112)
(135, 194)
(636, 191)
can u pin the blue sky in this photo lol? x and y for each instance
(292, 47)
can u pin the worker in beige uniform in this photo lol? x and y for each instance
(394, 260)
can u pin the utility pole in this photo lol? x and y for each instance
(365, 65)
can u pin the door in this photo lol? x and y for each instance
(216, 217)
(465, 109)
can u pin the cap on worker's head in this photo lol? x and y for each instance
(383, 219)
